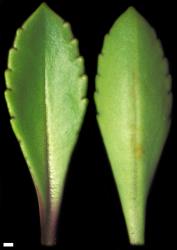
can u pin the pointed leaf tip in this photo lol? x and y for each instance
(131, 11)
(130, 16)
(43, 7)
(44, 10)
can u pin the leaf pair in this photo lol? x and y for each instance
(46, 89)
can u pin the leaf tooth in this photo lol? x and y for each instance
(74, 47)
(18, 35)
(83, 86)
(66, 25)
(80, 63)
(7, 74)
(84, 104)
(8, 97)
(11, 58)
(106, 40)
(74, 42)
(67, 31)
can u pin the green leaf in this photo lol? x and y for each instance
(133, 101)
(45, 94)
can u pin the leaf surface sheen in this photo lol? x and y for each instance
(46, 99)
(133, 101)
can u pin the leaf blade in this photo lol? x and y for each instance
(132, 88)
(46, 96)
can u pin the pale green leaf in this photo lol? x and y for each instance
(46, 89)
(133, 101)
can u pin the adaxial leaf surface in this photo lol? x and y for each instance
(133, 101)
(46, 89)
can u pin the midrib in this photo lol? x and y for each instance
(48, 173)
(136, 140)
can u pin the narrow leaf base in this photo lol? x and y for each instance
(136, 225)
(49, 228)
